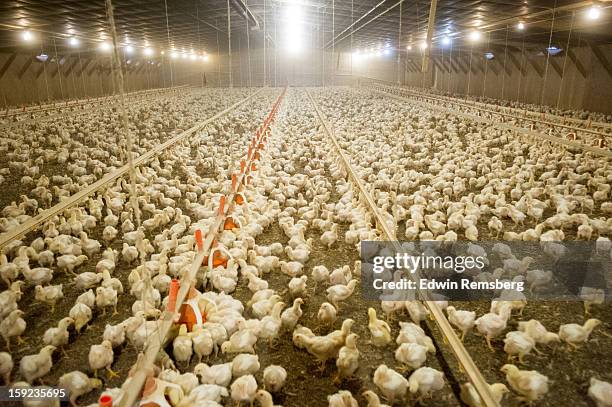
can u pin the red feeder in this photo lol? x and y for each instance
(198, 238)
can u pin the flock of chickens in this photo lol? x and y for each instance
(434, 176)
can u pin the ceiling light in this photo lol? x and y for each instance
(174, 54)
(387, 52)
(129, 49)
(205, 58)
(148, 51)
(193, 57)
(73, 41)
(27, 36)
(475, 35)
(520, 26)
(409, 47)
(163, 52)
(184, 56)
(105, 46)
(423, 45)
(594, 12)
(446, 41)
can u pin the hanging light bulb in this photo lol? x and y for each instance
(174, 54)
(475, 35)
(148, 51)
(594, 12)
(105, 46)
(129, 49)
(520, 26)
(73, 41)
(27, 36)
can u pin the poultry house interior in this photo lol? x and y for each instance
(306, 203)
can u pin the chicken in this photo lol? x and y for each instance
(411, 355)
(530, 384)
(11, 326)
(207, 395)
(81, 314)
(321, 347)
(203, 343)
(240, 342)
(271, 324)
(102, 356)
(220, 375)
(537, 331)
(348, 358)
(6, 367)
(182, 346)
(50, 294)
(425, 380)
(518, 343)
(464, 320)
(574, 334)
(380, 330)
(470, 396)
(343, 398)
(88, 298)
(492, 325)
(115, 334)
(291, 316)
(106, 297)
(274, 378)
(340, 292)
(372, 399)
(87, 280)
(34, 367)
(327, 314)
(58, 336)
(244, 364)
(78, 384)
(391, 384)
(411, 333)
(9, 298)
(244, 389)
(264, 398)
(600, 392)
(297, 286)
(417, 311)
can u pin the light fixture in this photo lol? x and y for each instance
(489, 55)
(174, 55)
(446, 41)
(105, 46)
(163, 52)
(206, 58)
(73, 41)
(594, 12)
(148, 51)
(387, 52)
(193, 57)
(27, 36)
(520, 26)
(475, 35)
(129, 49)
(423, 46)
(409, 47)
(294, 37)
(184, 56)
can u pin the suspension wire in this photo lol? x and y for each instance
(229, 44)
(116, 67)
(469, 72)
(248, 50)
(275, 13)
(323, 52)
(450, 66)
(399, 41)
(567, 50)
(45, 72)
(59, 72)
(504, 72)
(484, 80)
(199, 40)
(73, 82)
(418, 31)
(552, 24)
(82, 78)
(518, 95)
(218, 58)
(264, 48)
(333, 71)
(170, 43)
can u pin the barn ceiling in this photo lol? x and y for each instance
(202, 26)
